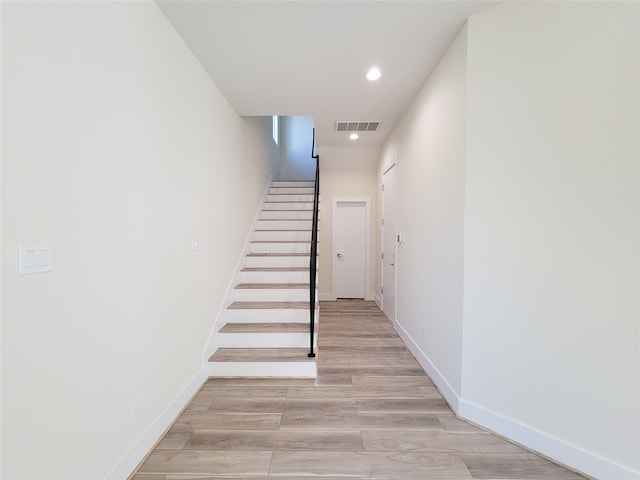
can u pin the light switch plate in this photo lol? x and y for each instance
(35, 258)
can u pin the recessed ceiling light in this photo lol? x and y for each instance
(373, 74)
(354, 136)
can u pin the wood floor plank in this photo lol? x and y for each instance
(396, 465)
(207, 462)
(520, 466)
(276, 440)
(407, 421)
(388, 380)
(435, 441)
(402, 405)
(226, 421)
(355, 392)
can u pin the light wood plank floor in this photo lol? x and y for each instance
(371, 414)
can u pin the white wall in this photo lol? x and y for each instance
(551, 231)
(117, 149)
(296, 138)
(429, 145)
(344, 172)
(536, 180)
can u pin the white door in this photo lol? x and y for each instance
(350, 247)
(389, 242)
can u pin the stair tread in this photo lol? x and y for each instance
(265, 328)
(272, 285)
(269, 306)
(279, 230)
(261, 355)
(275, 269)
(277, 254)
(280, 241)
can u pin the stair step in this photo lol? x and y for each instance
(275, 292)
(264, 246)
(288, 224)
(270, 312)
(298, 190)
(275, 274)
(265, 335)
(282, 214)
(265, 328)
(262, 362)
(265, 260)
(290, 197)
(293, 183)
(288, 206)
(282, 235)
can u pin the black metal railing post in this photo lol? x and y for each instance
(313, 258)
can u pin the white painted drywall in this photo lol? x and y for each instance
(429, 146)
(344, 172)
(296, 138)
(551, 234)
(117, 149)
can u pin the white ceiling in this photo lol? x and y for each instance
(310, 57)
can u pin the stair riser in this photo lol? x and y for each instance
(284, 214)
(277, 262)
(285, 224)
(271, 295)
(262, 369)
(275, 277)
(266, 340)
(288, 206)
(282, 236)
(295, 197)
(293, 183)
(269, 315)
(289, 190)
(257, 247)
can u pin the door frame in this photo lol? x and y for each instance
(382, 306)
(367, 244)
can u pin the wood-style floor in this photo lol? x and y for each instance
(371, 414)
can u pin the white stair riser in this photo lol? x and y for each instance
(285, 224)
(262, 369)
(274, 247)
(282, 235)
(270, 315)
(288, 206)
(271, 295)
(266, 340)
(275, 277)
(295, 183)
(295, 197)
(288, 190)
(277, 262)
(287, 214)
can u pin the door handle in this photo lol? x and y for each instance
(392, 264)
(339, 255)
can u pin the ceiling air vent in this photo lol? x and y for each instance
(357, 126)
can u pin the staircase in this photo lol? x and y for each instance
(267, 329)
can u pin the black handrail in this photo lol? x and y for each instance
(314, 246)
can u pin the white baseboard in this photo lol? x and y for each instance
(562, 452)
(558, 450)
(378, 301)
(145, 443)
(439, 381)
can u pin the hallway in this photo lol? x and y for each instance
(371, 414)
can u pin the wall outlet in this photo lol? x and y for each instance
(136, 406)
